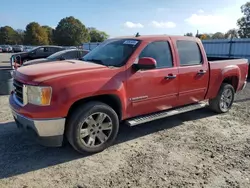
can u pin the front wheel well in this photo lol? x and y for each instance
(232, 80)
(112, 100)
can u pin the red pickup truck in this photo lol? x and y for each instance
(129, 80)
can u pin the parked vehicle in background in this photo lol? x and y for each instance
(72, 47)
(6, 48)
(1, 49)
(36, 53)
(27, 48)
(58, 56)
(17, 48)
(132, 80)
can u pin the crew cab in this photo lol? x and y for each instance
(18, 59)
(125, 80)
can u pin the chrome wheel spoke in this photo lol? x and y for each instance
(222, 104)
(84, 133)
(100, 118)
(90, 121)
(102, 137)
(91, 140)
(96, 129)
(106, 126)
(227, 93)
(226, 99)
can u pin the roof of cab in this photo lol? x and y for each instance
(155, 37)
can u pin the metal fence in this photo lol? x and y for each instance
(238, 48)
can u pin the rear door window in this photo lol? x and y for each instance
(189, 53)
(70, 55)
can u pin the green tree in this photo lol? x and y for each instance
(232, 33)
(244, 22)
(97, 36)
(218, 35)
(71, 32)
(189, 34)
(8, 35)
(204, 37)
(50, 32)
(208, 36)
(35, 34)
(19, 36)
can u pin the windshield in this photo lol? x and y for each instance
(35, 48)
(112, 52)
(57, 54)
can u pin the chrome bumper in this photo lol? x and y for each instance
(49, 131)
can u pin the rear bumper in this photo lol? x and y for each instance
(49, 132)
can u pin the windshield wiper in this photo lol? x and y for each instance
(98, 61)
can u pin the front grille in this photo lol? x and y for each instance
(18, 88)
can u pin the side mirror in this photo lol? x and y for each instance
(145, 63)
(62, 58)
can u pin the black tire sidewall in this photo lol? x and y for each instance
(25, 60)
(77, 143)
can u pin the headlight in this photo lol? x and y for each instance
(39, 95)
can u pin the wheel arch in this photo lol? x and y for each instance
(111, 100)
(232, 80)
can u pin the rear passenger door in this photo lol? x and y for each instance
(43, 52)
(49, 51)
(37, 54)
(193, 72)
(151, 90)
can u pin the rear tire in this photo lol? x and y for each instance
(92, 127)
(224, 100)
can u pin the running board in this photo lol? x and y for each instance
(163, 114)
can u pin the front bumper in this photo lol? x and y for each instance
(49, 132)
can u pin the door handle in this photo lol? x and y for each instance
(170, 76)
(201, 72)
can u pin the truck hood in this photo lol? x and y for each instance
(34, 74)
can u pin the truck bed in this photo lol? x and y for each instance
(232, 66)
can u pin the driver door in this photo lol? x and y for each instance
(38, 53)
(151, 90)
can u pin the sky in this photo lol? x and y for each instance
(127, 17)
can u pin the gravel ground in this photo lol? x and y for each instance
(195, 149)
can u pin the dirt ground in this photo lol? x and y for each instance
(195, 149)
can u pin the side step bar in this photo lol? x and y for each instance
(163, 114)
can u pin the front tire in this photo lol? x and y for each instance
(92, 127)
(25, 60)
(224, 100)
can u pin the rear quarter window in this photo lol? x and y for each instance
(189, 53)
